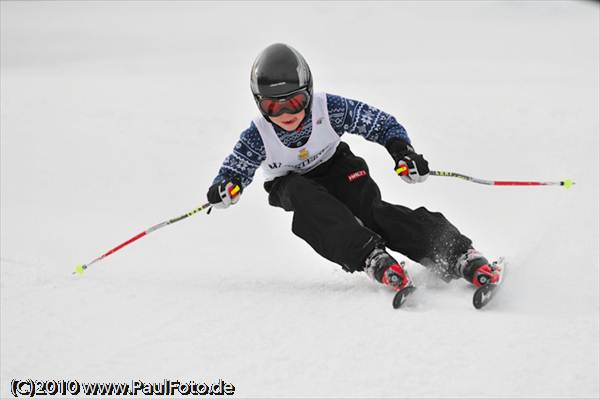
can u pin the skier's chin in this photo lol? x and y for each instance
(290, 126)
(289, 122)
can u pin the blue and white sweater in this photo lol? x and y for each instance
(345, 115)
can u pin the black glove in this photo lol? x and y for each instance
(222, 195)
(409, 165)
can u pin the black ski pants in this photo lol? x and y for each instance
(339, 212)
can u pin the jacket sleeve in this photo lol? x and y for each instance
(246, 157)
(356, 117)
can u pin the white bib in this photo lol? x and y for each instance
(321, 144)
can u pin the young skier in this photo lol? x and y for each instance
(337, 206)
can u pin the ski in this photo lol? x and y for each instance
(401, 296)
(484, 294)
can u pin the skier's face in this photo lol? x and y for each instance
(289, 122)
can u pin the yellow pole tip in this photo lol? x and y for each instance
(568, 183)
(79, 269)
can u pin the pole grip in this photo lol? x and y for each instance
(233, 191)
(402, 170)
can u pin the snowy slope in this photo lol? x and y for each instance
(116, 116)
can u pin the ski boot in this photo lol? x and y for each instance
(381, 267)
(476, 269)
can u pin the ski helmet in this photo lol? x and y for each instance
(278, 72)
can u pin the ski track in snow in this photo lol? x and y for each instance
(115, 117)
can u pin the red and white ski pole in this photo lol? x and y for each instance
(567, 183)
(83, 267)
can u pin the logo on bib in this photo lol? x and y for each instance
(357, 175)
(303, 154)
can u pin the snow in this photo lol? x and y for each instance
(116, 116)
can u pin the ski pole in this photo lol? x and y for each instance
(79, 269)
(567, 183)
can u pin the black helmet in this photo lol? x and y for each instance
(279, 71)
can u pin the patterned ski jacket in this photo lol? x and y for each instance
(345, 115)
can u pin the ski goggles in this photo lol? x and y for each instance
(291, 104)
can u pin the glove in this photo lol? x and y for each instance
(222, 195)
(410, 166)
